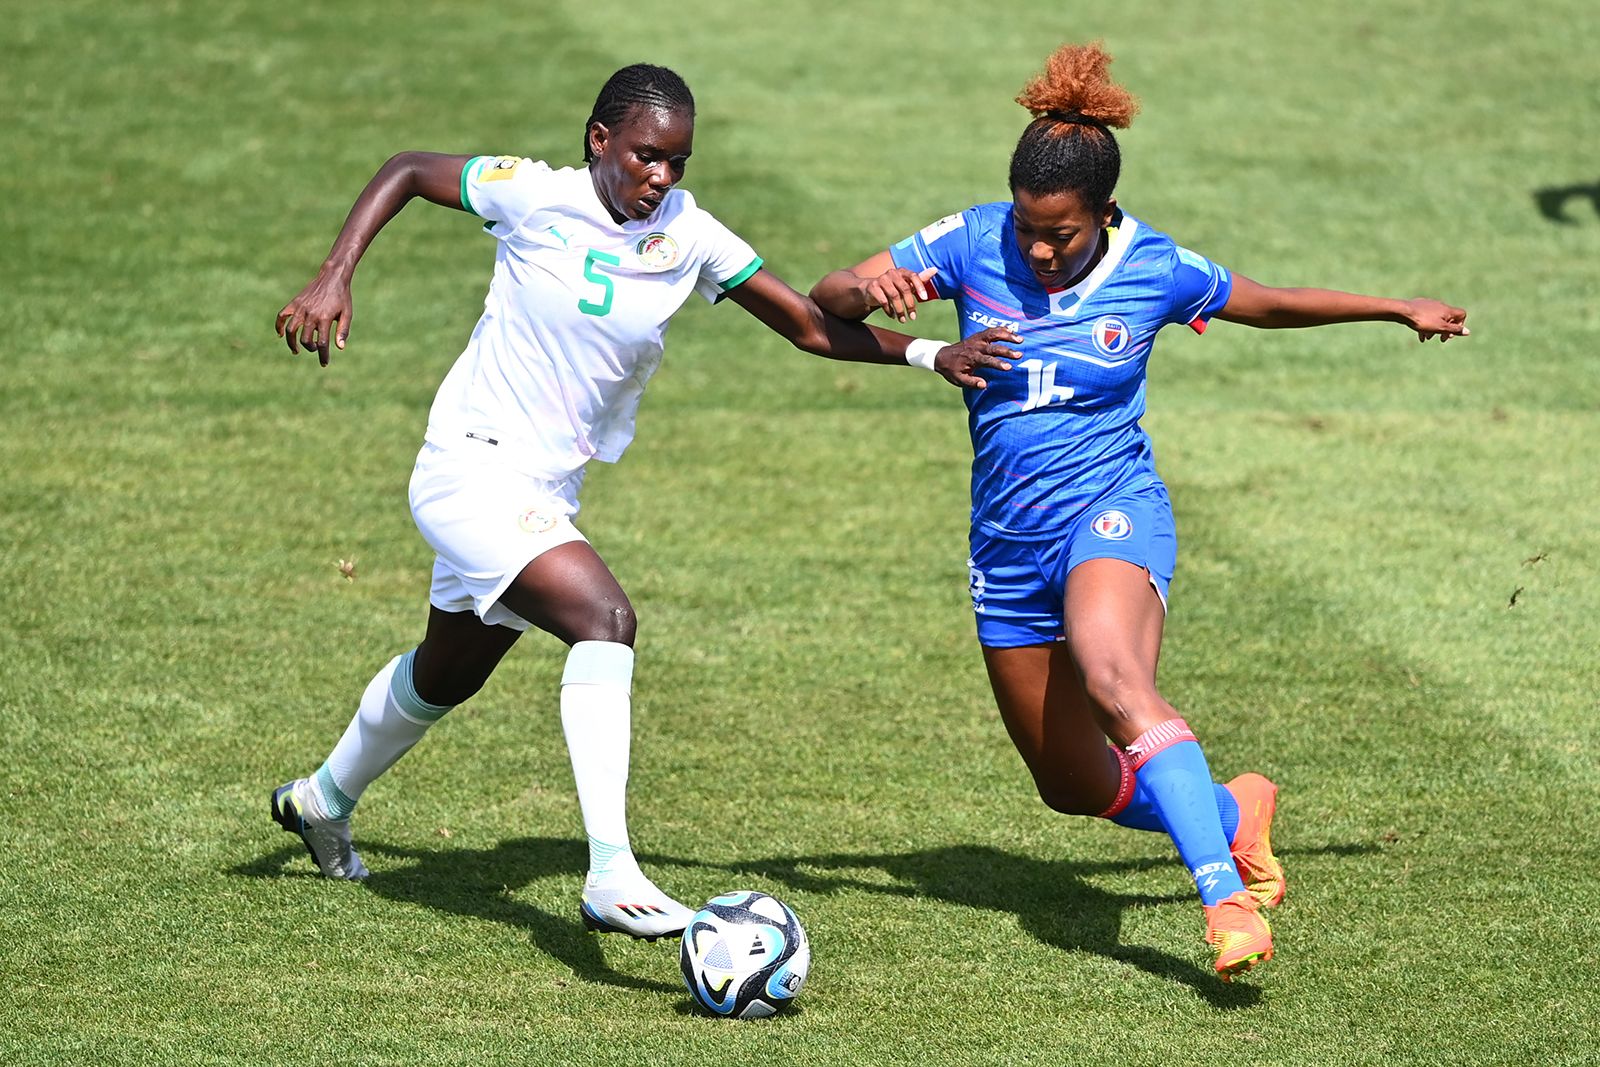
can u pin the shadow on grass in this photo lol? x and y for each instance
(1053, 900)
(1552, 201)
(479, 883)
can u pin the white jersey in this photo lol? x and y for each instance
(576, 315)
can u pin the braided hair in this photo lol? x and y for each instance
(639, 85)
(1069, 147)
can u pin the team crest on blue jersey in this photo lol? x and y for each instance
(1112, 525)
(657, 250)
(1111, 335)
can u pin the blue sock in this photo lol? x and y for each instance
(1141, 813)
(1178, 782)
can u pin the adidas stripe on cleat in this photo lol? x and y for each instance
(592, 921)
(295, 807)
(1252, 841)
(633, 905)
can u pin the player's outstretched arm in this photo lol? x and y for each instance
(1265, 307)
(875, 283)
(800, 321)
(322, 312)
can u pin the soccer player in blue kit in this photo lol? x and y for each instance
(1073, 544)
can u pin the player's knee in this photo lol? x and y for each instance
(1118, 689)
(1070, 798)
(613, 622)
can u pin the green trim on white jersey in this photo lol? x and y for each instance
(742, 277)
(466, 176)
(575, 318)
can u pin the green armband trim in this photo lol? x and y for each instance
(466, 173)
(742, 277)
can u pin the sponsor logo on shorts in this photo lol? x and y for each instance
(1112, 525)
(535, 521)
(1110, 335)
(657, 250)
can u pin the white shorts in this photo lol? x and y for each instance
(486, 521)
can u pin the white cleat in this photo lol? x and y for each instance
(629, 903)
(297, 808)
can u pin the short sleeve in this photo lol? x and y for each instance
(503, 189)
(1200, 288)
(728, 261)
(944, 245)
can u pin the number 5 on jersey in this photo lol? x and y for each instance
(608, 288)
(1042, 388)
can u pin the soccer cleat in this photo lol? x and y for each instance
(1252, 841)
(631, 904)
(1238, 932)
(297, 808)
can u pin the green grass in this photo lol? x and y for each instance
(1357, 515)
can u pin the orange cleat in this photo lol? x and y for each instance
(1239, 933)
(1252, 841)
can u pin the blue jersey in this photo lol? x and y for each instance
(1061, 428)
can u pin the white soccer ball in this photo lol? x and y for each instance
(744, 955)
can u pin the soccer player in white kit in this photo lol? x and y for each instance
(590, 265)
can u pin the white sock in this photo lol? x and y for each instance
(596, 718)
(389, 721)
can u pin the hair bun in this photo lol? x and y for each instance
(1075, 86)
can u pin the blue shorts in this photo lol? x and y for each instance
(1019, 588)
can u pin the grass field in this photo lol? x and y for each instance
(1388, 595)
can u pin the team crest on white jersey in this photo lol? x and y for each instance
(657, 250)
(535, 521)
(1111, 335)
(1112, 525)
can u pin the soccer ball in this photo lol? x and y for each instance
(744, 955)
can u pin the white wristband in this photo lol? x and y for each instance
(920, 352)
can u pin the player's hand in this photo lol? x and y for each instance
(1431, 318)
(320, 315)
(957, 362)
(897, 292)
